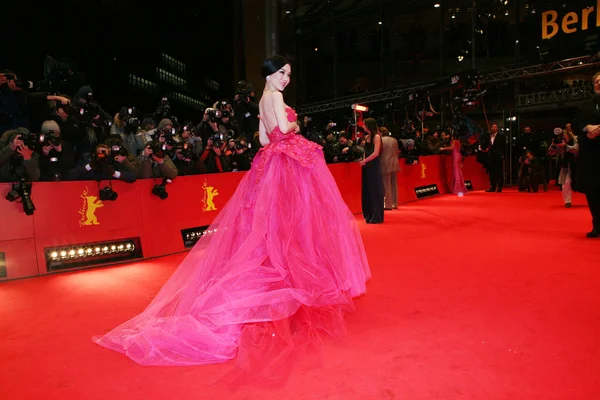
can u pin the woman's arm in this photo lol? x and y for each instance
(377, 144)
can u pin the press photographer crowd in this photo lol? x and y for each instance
(52, 137)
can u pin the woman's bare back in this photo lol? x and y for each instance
(268, 117)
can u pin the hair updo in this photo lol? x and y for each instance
(272, 65)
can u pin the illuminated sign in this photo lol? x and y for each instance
(556, 96)
(570, 22)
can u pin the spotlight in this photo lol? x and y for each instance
(107, 194)
(161, 190)
(358, 107)
(22, 190)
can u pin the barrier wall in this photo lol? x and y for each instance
(70, 213)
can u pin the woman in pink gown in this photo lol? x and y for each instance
(458, 182)
(282, 260)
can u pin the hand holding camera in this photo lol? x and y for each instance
(17, 143)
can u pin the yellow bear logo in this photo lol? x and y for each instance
(88, 210)
(209, 195)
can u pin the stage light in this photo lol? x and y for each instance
(192, 235)
(86, 255)
(161, 189)
(437, 5)
(22, 190)
(358, 107)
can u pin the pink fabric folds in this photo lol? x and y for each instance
(283, 260)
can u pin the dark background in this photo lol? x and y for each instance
(109, 39)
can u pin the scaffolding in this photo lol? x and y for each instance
(485, 78)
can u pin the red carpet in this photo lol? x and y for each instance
(489, 296)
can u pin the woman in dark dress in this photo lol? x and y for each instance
(372, 179)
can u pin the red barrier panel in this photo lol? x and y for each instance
(70, 213)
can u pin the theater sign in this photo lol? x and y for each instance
(560, 96)
(554, 21)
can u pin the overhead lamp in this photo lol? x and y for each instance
(358, 107)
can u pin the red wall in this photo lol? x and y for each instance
(58, 218)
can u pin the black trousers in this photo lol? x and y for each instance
(592, 193)
(496, 173)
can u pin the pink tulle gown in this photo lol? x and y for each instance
(458, 182)
(283, 260)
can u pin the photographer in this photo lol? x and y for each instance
(409, 151)
(163, 111)
(530, 172)
(187, 135)
(213, 157)
(154, 163)
(18, 160)
(342, 150)
(227, 119)
(245, 109)
(186, 162)
(105, 165)
(18, 107)
(57, 156)
(565, 147)
(210, 125)
(81, 138)
(240, 159)
(126, 125)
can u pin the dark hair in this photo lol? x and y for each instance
(371, 125)
(272, 65)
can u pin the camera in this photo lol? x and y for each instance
(32, 140)
(186, 150)
(101, 158)
(243, 92)
(118, 150)
(158, 149)
(161, 189)
(22, 190)
(239, 145)
(107, 194)
(168, 135)
(214, 115)
(19, 82)
(217, 140)
(163, 110)
(557, 140)
(128, 115)
(49, 138)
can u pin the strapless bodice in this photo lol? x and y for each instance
(292, 145)
(276, 135)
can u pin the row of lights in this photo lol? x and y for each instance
(195, 235)
(91, 251)
(429, 189)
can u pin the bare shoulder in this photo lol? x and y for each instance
(276, 98)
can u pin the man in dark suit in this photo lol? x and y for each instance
(496, 150)
(587, 128)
